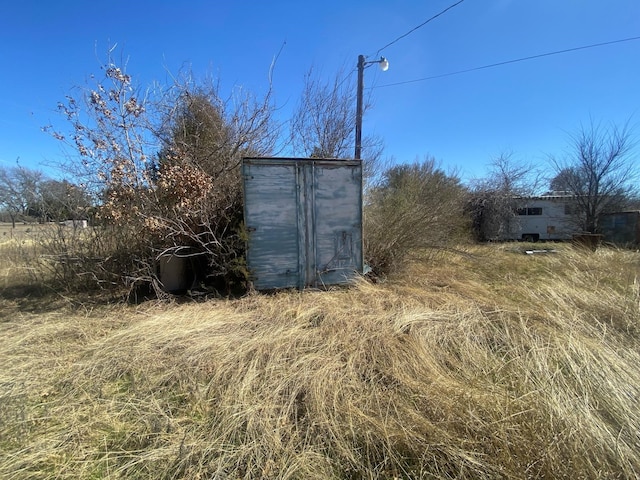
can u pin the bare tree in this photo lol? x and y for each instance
(19, 190)
(494, 200)
(323, 124)
(599, 171)
(62, 200)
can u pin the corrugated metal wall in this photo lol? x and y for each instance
(621, 228)
(304, 218)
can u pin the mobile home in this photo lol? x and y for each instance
(546, 217)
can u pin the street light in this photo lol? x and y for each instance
(384, 66)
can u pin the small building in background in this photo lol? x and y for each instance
(621, 228)
(304, 221)
(78, 223)
(545, 217)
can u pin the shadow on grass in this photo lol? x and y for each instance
(42, 298)
(37, 299)
(30, 298)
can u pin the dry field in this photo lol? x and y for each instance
(7, 232)
(15, 244)
(479, 363)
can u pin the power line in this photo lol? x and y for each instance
(419, 26)
(531, 57)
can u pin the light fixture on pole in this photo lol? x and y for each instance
(384, 66)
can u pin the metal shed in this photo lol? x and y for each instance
(304, 220)
(621, 228)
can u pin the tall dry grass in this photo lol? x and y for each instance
(57, 258)
(18, 249)
(486, 363)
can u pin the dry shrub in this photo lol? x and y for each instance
(489, 364)
(162, 165)
(415, 207)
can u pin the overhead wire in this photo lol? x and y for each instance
(419, 26)
(407, 34)
(506, 62)
(430, 19)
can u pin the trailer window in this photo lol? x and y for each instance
(530, 211)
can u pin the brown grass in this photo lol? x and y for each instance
(17, 247)
(486, 363)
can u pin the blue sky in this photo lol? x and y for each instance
(527, 108)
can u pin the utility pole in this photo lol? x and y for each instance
(384, 66)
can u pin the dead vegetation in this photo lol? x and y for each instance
(482, 363)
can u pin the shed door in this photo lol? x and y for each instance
(337, 223)
(271, 216)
